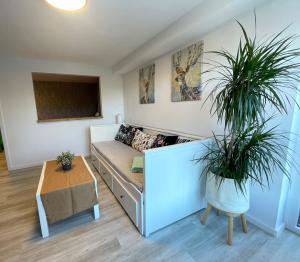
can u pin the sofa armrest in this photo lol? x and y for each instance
(173, 186)
(103, 132)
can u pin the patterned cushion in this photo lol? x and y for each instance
(182, 140)
(163, 140)
(130, 134)
(142, 141)
(121, 136)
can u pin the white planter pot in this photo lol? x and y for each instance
(227, 197)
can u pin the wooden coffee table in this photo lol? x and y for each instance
(61, 194)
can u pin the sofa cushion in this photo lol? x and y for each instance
(122, 134)
(182, 140)
(163, 140)
(131, 134)
(142, 141)
(126, 134)
(120, 157)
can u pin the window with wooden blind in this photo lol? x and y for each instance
(66, 97)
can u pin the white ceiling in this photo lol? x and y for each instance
(104, 32)
(189, 28)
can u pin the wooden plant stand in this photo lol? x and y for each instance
(230, 221)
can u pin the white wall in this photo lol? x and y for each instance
(29, 143)
(293, 199)
(266, 206)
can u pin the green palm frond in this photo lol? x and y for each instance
(254, 153)
(259, 74)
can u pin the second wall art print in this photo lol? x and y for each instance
(187, 73)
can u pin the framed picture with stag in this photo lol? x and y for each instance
(187, 73)
(146, 84)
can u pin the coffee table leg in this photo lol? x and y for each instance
(43, 218)
(96, 211)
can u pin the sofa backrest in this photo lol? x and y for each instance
(156, 131)
(107, 132)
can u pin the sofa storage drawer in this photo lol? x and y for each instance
(107, 177)
(127, 201)
(95, 162)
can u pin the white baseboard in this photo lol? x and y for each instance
(295, 229)
(275, 232)
(26, 166)
(17, 168)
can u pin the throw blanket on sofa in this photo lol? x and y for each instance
(137, 164)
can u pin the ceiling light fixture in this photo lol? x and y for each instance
(67, 5)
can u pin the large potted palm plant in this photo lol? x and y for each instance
(260, 75)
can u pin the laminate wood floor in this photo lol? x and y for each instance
(3, 164)
(114, 238)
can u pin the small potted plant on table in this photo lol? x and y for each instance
(65, 160)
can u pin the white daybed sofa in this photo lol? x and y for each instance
(170, 189)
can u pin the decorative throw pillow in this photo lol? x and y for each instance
(163, 140)
(182, 140)
(121, 136)
(130, 134)
(142, 141)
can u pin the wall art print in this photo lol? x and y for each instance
(187, 73)
(146, 84)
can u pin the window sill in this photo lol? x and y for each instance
(69, 119)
